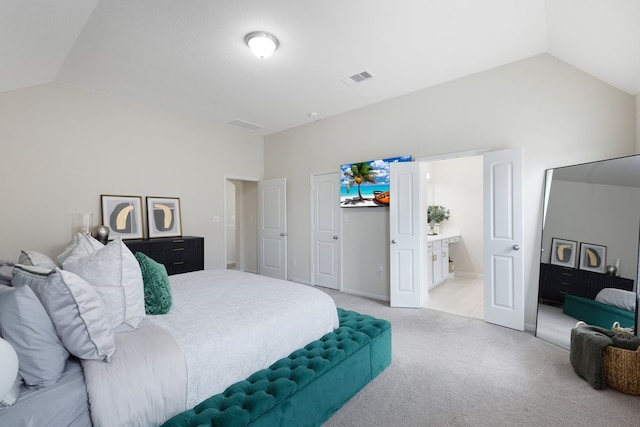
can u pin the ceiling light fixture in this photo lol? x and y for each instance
(261, 43)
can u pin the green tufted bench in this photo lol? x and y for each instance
(596, 313)
(307, 387)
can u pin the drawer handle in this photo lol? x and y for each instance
(178, 263)
(564, 293)
(178, 249)
(178, 241)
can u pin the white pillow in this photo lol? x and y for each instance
(37, 259)
(25, 324)
(115, 274)
(78, 314)
(81, 244)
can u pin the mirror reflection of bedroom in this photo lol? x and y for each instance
(589, 258)
(455, 253)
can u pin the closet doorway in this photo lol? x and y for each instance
(240, 224)
(457, 184)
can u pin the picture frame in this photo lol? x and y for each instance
(164, 217)
(563, 252)
(593, 257)
(123, 216)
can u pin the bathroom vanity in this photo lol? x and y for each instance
(437, 258)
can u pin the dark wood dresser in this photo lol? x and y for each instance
(178, 254)
(557, 281)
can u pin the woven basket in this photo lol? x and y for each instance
(622, 369)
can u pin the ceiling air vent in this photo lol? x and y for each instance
(244, 124)
(357, 78)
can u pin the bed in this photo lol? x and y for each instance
(221, 327)
(609, 306)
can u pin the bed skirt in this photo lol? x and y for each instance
(307, 387)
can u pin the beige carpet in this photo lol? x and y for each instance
(449, 370)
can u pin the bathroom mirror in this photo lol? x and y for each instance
(590, 240)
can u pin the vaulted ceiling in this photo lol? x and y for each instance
(190, 56)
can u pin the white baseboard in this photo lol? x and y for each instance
(301, 281)
(467, 274)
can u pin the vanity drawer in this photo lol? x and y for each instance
(435, 245)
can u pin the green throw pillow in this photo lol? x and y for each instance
(157, 292)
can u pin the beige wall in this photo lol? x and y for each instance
(558, 114)
(62, 147)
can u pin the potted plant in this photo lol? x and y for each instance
(435, 215)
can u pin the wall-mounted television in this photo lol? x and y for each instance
(366, 184)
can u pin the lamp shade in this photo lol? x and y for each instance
(8, 367)
(261, 44)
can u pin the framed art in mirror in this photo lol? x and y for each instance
(563, 252)
(593, 257)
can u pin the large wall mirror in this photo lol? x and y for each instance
(590, 239)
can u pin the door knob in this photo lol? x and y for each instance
(394, 241)
(335, 237)
(516, 247)
(281, 234)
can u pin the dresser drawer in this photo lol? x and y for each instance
(177, 254)
(558, 281)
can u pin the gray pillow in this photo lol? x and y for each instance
(115, 274)
(25, 324)
(37, 259)
(6, 273)
(29, 275)
(78, 314)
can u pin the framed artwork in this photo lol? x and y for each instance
(164, 217)
(366, 184)
(593, 257)
(563, 252)
(123, 216)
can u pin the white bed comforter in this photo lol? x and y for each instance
(230, 324)
(143, 385)
(223, 326)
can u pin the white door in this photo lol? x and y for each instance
(406, 229)
(272, 228)
(325, 229)
(503, 232)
